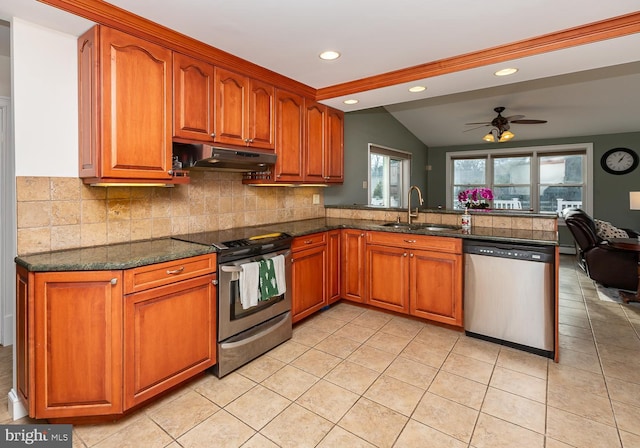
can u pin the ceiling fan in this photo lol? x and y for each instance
(501, 126)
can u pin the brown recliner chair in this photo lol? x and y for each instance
(610, 267)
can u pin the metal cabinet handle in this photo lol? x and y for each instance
(362, 235)
(327, 177)
(215, 282)
(114, 281)
(170, 172)
(410, 241)
(410, 255)
(308, 241)
(175, 271)
(213, 135)
(404, 254)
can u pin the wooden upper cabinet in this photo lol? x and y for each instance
(244, 111)
(125, 107)
(314, 141)
(289, 136)
(262, 128)
(334, 151)
(193, 98)
(324, 144)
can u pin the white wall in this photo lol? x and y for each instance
(5, 76)
(45, 99)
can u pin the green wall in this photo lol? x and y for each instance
(373, 126)
(610, 192)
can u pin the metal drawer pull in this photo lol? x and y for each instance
(175, 271)
(114, 281)
(308, 241)
(215, 282)
(409, 241)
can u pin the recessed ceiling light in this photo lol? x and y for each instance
(329, 55)
(416, 89)
(350, 101)
(506, 72)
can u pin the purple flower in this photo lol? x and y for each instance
(474, 196)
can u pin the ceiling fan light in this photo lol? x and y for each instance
(489, 137)
(506, 136)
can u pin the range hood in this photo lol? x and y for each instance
(201, 156)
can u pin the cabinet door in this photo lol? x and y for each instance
(78, 343)
(333, 266)
(388, 278)
(136, 107)
(289, 136)
(24, 346)
(308, 272)
(436, 286)
(261, 115)
(170, 334)
(334, 154)
(353, 246)
(193, 86)
(315, 143)
(232, 105)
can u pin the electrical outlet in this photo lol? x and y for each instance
(316, 199)
(364, 184)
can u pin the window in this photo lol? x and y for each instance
(542, 179)
(389, 173)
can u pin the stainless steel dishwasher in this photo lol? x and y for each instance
(509, 295)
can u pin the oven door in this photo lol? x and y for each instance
(233, 318)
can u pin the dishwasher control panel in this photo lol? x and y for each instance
(528, 253)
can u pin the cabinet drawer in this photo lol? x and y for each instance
(146, 277)
(303, 242)
(408, 240)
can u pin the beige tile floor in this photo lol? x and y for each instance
(352, 377)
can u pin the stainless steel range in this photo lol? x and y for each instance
(247, 327)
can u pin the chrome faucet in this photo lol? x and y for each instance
(409, 214)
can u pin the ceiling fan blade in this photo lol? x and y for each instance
(486, 123)
(514, 117)
(477, 127)
(528, 121)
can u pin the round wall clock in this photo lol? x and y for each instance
(619, 161)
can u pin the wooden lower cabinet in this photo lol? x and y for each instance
(308, 278)
(417, 275)
(388, 278)
(352, 264)
(84, 348)
(74, 360)
(435, 286)
(169, 336)
(333, 266)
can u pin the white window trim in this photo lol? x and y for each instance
(406, 174)
(529, 150)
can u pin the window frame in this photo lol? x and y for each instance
(396, 154)
(534, 152)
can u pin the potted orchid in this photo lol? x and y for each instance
(475, 198)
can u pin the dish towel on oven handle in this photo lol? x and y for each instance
(249, 284)
(268, 283)
(281, 280)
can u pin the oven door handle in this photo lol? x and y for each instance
(232, 268)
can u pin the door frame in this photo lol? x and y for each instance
(7, 224)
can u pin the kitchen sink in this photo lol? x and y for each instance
(422, 226)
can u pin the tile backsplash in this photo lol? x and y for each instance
(60, 212)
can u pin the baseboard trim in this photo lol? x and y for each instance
(15, 406)
(568, 250)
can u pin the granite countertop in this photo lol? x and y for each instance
(113, 256)
(141, 253)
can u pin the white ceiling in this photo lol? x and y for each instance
(573, 89)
